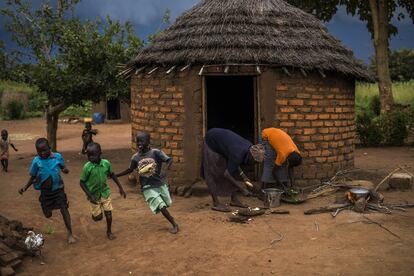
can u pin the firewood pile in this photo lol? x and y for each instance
(12, 246)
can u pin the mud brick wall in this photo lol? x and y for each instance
(319, 113)
(168, 107)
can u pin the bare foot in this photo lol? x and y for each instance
(236, 203)
(175, 229)
(71, 239)
(110, 236)
(221, 208)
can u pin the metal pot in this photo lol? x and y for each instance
(358, 193)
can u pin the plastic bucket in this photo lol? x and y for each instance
(98, 118)
(272, 197)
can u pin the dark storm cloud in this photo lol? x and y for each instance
(146, 16)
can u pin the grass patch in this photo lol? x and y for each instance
(403, 92)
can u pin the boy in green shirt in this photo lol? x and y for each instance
(93, 183)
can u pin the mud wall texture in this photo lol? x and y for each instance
(317, 110)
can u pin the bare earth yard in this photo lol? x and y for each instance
(208, 244)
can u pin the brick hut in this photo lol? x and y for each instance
(247, 65)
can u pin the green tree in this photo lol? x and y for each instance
(377, 14)
(72, 61)
(401, 65)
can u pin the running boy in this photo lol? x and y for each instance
(4, 149)
(148, 163)
(87, 134)
(45, 176)
(93, 183)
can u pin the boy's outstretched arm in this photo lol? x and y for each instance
(29, 183)
(115, 179)
(15, 149)
(133, 166)
(89, 195)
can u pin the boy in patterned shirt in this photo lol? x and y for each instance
(93, 183)
(148, 163)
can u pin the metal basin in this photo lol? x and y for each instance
(359, 193)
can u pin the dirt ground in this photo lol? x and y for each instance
(208, 244)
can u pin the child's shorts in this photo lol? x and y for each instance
(157, 198)
(103, 204)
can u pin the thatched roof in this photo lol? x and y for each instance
(265, 32)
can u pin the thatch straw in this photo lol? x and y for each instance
(250, 32)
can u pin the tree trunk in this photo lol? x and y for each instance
(51, 127)
(52, 118)
(380, 23)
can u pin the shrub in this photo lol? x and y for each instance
(368, 129)
(375, 105)
(14, 110)
(394, 127)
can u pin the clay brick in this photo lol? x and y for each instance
(316, 109)
(177, 95)
(303, 124)
(325, 153)
(164, 123)
(159, 116)
(171, 89)
(303, 138)
(316, 138)
(308, 131)
(303, 95)
(309, 146)
(320, 159)
(311, 116)
(296, 116)
(296, 102)
(146, 96)
(281, 87)
(148, 90)
(332, 159)
(177, 152)
(171, 116)
(323, 130)
(310, 89)
(328, 123)
(311, 102)
(148, 128)
(165, 137)
(282, 117)
(171, 130)
(287, 124)
(324, 116)
(165, 109)
(329, 109)
(172, 145)
(281, 102)
(287, 109)
(155, 95)
(174, 103)
(324, 145)
(304, 109)
(317, 123)
(178, 109)
(178, 138)
(317, 97)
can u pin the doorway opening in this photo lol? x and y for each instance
(231, 104)
(113, 109)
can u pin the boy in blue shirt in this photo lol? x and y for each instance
(45, 176)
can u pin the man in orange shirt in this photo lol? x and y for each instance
(287, 157)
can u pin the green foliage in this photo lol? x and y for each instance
(394, 127)
(73, 61)
(368, 129)
(375, 105)
(14, 110)
(325, 10)
(84, 110)
(401, 63)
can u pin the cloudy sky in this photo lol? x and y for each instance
(146, 16)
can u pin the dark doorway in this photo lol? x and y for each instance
(231, 104)
(113, 109)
